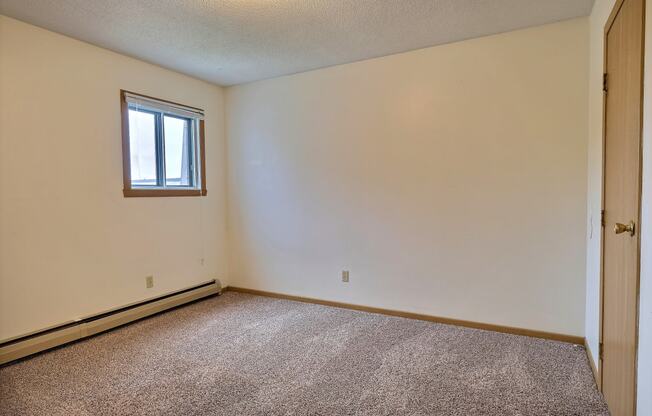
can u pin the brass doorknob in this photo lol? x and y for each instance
(621, 228)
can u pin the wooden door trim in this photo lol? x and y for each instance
(610, 21)
(612, 17)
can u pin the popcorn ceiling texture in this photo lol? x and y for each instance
(239, 354)
(235, 41)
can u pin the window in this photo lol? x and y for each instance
(162, 147)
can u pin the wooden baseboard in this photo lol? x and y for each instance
(594, 368)
(14, 349)
(422, 317)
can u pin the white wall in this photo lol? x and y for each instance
(70, 244)
(450, 180)
(644, 383)
(597, 20)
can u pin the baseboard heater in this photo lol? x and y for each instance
(25, 345)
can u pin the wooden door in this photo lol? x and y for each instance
(622, 189)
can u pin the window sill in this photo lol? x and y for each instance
(130, 193)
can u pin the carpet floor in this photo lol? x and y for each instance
(239, 354)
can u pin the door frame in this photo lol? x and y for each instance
(612, 16)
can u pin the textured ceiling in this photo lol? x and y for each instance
(234, 41)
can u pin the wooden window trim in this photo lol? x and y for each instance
(128, 191)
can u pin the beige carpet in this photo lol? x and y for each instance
(240, 354)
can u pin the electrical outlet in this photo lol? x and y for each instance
(149, 282)
(345, 276)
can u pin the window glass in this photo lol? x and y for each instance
(178, 151)
(142, 145)
(163, 144)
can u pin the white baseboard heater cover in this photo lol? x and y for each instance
(23, 346)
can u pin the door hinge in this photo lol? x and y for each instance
(604, 82)
(602, 221)
(601, 351)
